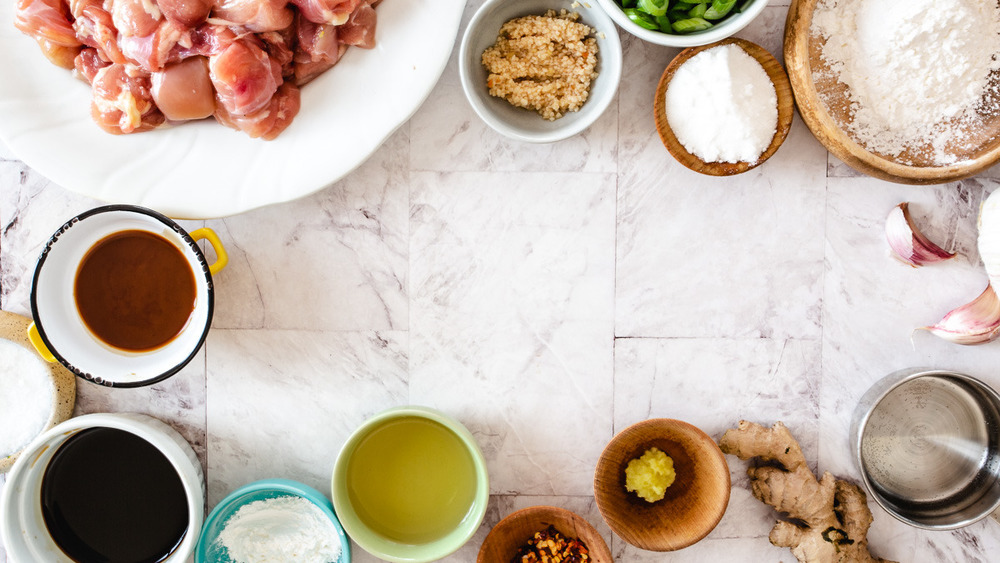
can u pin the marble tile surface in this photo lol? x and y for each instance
(548, 296)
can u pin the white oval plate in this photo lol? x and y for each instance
(204, 170)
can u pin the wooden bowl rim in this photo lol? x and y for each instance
(711, 453)
(822, 125)
(782, 89)
(598, 552)
(13, 327)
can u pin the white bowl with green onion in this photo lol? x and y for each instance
(682, 24)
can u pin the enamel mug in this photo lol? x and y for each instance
(927, 443)
(59, 332)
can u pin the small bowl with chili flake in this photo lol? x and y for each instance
(540, 71)
(544, 534)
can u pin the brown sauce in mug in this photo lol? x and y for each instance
(135, 290)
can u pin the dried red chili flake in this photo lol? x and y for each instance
(549, 546)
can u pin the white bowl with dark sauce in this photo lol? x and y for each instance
(104, 487)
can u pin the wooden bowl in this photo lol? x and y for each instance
(515, 530)
(14, 327)
(803, 55)
(786, 108)
(693, 504)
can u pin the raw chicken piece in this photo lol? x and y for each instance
(333, 12)
(87, 63)
(359, 29)
(318, 49)
(317, 42)
(271, 120)
(95, 28)
(245, 77)
(280, 46)
(189, 13)
(59, 55)
(122, 102)
(48, 20)
(137, 18)
(255, 15)
(153, 51)
(184, 90)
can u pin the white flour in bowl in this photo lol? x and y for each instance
(287, 529)
(918, 71)
(26, 397)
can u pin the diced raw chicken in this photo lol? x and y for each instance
(359, 29)
(268, 122)
(255, 15)
(333, 12)
(184, 90)
(122, 102)
(95, 28)
(153, 51)
(136, 18)
(189, 13)
(46, 19)
(241, 61)
(244, 76)
(87, 63)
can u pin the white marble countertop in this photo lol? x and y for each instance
(548, 296)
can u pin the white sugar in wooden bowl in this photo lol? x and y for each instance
(34, 394)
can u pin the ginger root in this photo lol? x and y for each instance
(829, 517)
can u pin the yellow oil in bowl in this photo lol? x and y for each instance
(411, 480)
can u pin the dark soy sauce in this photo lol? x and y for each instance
(135, 290)
(109, 496)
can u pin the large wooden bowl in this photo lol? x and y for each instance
(515, 530)
(693, 504)
(803, 56)
(786, 108)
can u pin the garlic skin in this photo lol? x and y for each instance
(908, 244)
(989, 236)
(977, 322)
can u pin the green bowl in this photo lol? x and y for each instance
(209, 551)
(392, 549)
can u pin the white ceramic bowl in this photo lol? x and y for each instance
(22, 526)
(715, 33)
(519, 123)
(60, 331)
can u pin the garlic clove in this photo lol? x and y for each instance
(908, 244)
(989, 236)
(977, 322)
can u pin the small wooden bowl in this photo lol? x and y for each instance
(694, 503)
(14, 327)
(786, 108)
(803, 53)
(515, 530)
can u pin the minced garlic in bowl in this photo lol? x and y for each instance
(543, 63)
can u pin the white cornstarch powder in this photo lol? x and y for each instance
(26, 397)
(280, 530)
(918, 71)
(722, 106)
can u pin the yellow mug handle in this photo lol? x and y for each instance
(36, 341)
(221, 258)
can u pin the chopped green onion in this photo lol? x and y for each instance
(691, 25)
(654, 7)
(666, 26)
(698, 11)
(719, 9)
(642, 19)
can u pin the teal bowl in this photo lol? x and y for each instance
(209, 551)
(395, 550)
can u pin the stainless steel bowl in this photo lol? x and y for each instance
(927, 443)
